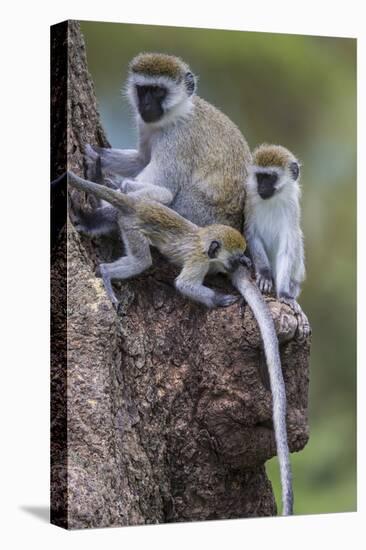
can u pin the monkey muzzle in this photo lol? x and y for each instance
(266, 184)
(239, 259)
(149, 103)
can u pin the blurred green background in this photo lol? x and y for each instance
(299, 91)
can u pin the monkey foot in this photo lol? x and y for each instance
(101, 272)
(303, 326)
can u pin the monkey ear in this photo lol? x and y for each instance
(213, 249)
(190, 82)
(295, 170)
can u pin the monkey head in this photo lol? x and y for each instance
(160, 87)
(225, 246)
(274, 169)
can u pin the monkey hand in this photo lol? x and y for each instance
(224, 300)
(128, 185)
(91, 154)
(265, 281)
(113, 183)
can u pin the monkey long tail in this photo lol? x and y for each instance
(253, 296)
(119, 200)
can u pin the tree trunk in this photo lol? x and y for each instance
(162, 412)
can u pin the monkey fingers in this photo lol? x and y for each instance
(264, 283)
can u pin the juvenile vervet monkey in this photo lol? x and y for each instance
(193, 158)
(272, 225)
(198, 250)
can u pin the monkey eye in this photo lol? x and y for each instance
(213, 249)
(295, 170)
(159, 92)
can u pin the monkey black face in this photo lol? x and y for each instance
(266, 184)
(150, 100)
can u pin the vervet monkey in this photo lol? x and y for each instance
(190, 155)
(193, 158)
(198, 250)
(272, 225)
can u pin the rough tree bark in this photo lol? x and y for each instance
(160, 413)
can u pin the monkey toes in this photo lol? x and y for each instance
(303, 326)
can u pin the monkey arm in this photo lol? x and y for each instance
(124, 162)
(189, 282)
(261, 262)
(137, 260)
(290, 271)
(283, 274)
(298, 272)
(289, 267)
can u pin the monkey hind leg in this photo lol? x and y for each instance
(124, 268)
(138, 259)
